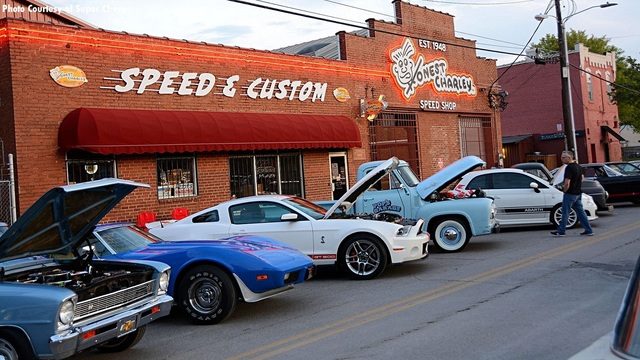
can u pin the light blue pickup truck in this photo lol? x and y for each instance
(451, 222)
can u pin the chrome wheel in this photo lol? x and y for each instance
(363, 257)
(571, 220)
(450, 235)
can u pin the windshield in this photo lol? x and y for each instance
(126, 238)
(408, 176)
(315, 211)
(627, 169)
(611, 172)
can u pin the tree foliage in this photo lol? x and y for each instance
(600, 45)
(626, 90)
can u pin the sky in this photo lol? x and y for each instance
(504, 25)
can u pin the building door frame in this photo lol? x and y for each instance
(337, 176)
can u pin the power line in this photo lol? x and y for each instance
(478, 4)
(605, 80)
(369, 28)
(516, 59)
(358, 8)
(307, 11)
(438, 27)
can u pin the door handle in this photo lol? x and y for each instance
(239, 232)
(367, 199)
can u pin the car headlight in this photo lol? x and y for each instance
(163, 283)
(403, 231)
(66, 314)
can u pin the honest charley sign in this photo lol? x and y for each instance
(410, 73)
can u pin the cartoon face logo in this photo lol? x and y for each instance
(403, 63)
(411, 72)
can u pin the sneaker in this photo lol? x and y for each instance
(557, 233)
(586, 233)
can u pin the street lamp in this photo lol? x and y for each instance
(567, 101)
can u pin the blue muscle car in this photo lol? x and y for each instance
(208, 277)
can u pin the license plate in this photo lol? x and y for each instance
(127, 325)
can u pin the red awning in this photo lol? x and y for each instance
(121, 131)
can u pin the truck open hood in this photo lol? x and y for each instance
(443, 178)
(364, 184)
(62, 217)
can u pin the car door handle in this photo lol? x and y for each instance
(239, 232)
(367, 199)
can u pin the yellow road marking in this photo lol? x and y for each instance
(313, 335)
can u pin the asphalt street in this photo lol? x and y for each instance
(519, 294)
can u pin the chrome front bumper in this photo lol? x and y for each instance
(77, 339)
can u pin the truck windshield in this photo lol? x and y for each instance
(408, 176)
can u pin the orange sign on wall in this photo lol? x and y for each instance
(68, 76)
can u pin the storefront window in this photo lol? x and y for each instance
(242, 176)
(474, 132)
(176, 177)
(265, 174)
(88, 167)
(395, 134)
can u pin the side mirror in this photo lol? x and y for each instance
(534, 186)
(289, 217)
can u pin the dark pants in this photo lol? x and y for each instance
(570, 201)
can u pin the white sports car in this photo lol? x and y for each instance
(522, 198)
(357, 244)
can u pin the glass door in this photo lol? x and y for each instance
(339, 174)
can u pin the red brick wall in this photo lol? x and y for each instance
(7, 134)
(40, 104)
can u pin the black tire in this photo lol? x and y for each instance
(556, 217)
(124, 342)
(362, 257)
(14, 346)
(450, 234)
(207, 295)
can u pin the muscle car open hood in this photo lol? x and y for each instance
(62, 217)
(443, 178)
(364, 184)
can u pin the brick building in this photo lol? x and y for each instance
(201, 122)
(532, 124)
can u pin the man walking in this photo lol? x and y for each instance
(572, 198)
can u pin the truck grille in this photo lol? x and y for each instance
(110, 301)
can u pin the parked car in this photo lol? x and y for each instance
(590, 187)
(208, 277)
(361, 246)
(451, 222)
(620, 187)
(635, 162)
(625, 168)
(522, 198)
(55, 298)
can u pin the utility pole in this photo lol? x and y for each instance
(567, 101)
